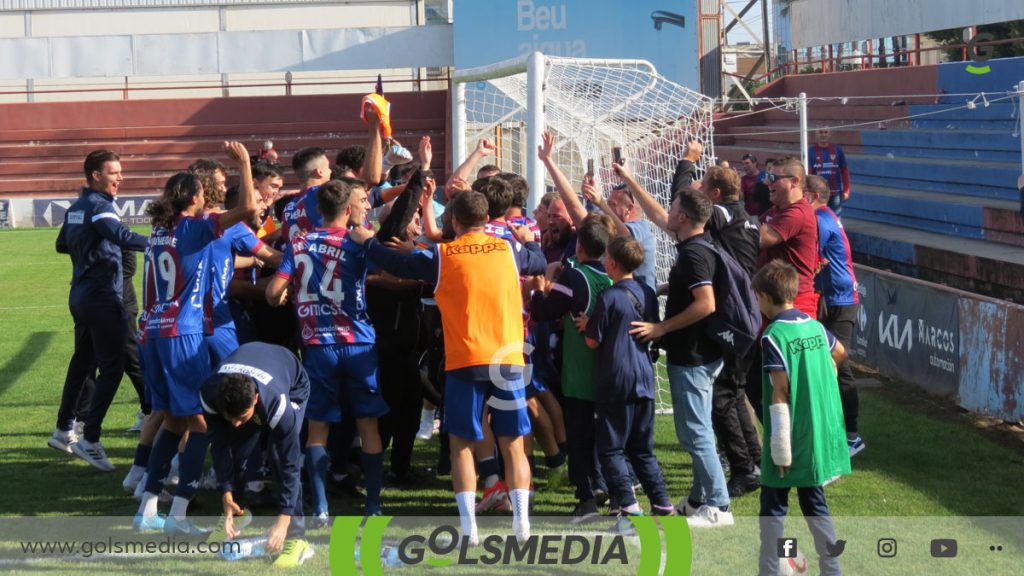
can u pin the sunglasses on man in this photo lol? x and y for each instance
(772, 178)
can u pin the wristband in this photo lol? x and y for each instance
(780, 440)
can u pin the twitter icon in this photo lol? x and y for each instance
(835, 550)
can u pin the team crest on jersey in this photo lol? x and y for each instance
(76, 217)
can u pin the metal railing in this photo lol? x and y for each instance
(287, 85)
(864, 60)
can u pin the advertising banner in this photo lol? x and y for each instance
(50, 211)
(910, 331)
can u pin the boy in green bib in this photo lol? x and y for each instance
(573, 294)
(804, 432)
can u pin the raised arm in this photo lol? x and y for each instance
(572, 202)
(429, 220)
(649, 204)
(591, 193)
(248, 206)
(465, 170)
(373, 163)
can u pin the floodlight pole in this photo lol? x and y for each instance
(803, 130)
(535, 127)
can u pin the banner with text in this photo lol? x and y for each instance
(6, 219)
(909, 331)
(130, 209)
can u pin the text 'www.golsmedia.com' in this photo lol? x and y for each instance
(88, 549)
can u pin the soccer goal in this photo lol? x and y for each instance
(592, 106)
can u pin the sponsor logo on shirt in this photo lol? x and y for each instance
(475, 248)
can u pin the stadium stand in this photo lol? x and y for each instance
(42, 145)
(932, 196)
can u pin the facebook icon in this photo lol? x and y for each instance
(787, 547)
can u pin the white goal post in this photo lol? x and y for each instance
(591, 106)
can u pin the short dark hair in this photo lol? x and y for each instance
(695, 205)
(498, 193)
(819, 187)
(750, 157)
(235, 395)
(303, 158)
(627, 252)
(351, 158)
(593, 234)
(333, 196)
(727, 181)
(262, 170)
(520, 187)
(489, 168)
(469, 209)
(778, 280)
(96, 159)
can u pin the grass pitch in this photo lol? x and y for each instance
(923, 458)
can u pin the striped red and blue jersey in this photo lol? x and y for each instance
(301, 215)
(836, 282)
(175, 278)
(236, 239)
(327, 271)
(830, 163)
(503, 230)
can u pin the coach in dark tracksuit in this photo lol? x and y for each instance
(94, 236)
(259, 388)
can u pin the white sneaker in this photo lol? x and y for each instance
(684, 508)
(140, 421)
(426, 431)
(63, 440)
(93, 453)
(710, 517)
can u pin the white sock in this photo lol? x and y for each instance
(148, 506)
(179, 507)
(141, 487)
(520, 506)
(426, 417)
(633, 508)
(467, 512)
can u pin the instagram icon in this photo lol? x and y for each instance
(887, 547)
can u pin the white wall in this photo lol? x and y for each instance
(240, 42)
(821, 22)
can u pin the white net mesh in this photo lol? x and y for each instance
(592, 106)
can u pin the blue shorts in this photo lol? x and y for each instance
(468, 389)
(174, 370)
(222, 343)
(342, 376)
(535, 385)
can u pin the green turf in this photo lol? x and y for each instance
(923, 457)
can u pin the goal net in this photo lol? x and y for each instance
(591, 106)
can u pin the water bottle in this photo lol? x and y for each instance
(246, 548)
(388, 556)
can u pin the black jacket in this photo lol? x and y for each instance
(94, 236)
